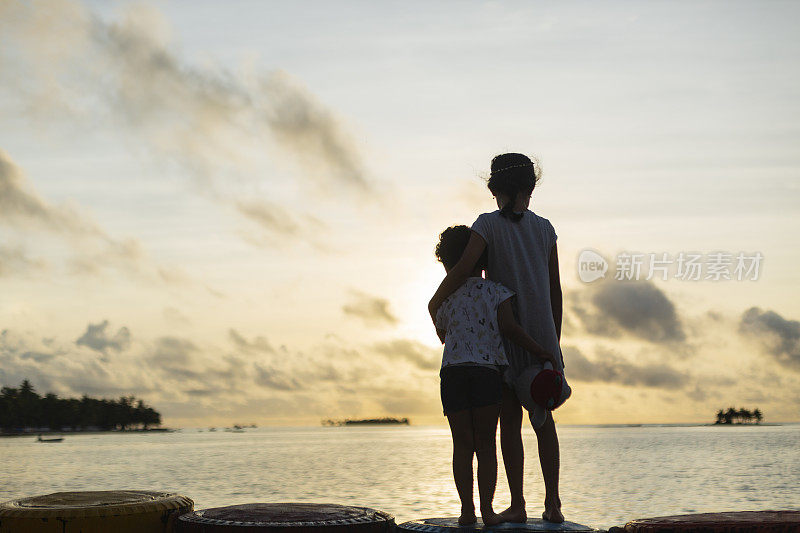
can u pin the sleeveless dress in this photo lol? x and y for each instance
(519, 254)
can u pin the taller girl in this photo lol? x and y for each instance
(522, 256)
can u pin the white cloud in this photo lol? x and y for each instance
(213, 122)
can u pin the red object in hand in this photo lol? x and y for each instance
(546, 388)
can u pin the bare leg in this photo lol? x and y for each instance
(463, 447)
(513, 455)
(484, 424)
(549, 459)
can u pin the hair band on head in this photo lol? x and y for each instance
(512, 166)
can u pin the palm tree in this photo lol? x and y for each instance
(24, 408)
(52, 414)
(151, 417)
(745, 416)
(28, 404)
(739, 416)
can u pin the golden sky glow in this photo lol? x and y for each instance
(230, 210)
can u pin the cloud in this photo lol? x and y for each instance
(273, 378)
(27, 348)
(420, 355)
(16, 261)
(172, 358)
(39, 357)
(172, 352)
(22, 207)
(269, 216)
(98, 340)
(211, 121)
(610, 368)
(182, 376)
(303, 125)
(202, 368)
(229, 373)
(779, 336)
(639, 309)
(64, 367)
(401, 400)
(323, 371)
(259, 344)
(370, 309)
(94, 250)
(277, 223)
(175, 317)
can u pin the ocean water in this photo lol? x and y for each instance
(608, 474)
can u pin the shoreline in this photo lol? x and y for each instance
(361, 426)
(86, 432)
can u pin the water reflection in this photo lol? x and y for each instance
(609, 475)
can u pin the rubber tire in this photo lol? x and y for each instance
(120, 511)
(286, 517)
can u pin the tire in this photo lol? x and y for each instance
(120, 511)
(286, 518)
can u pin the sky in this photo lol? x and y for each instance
(229, 209)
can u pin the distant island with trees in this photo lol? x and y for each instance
(368, 422)
(23, 410)
(739, 416)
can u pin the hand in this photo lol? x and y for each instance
(547, 356)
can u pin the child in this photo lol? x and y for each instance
(469, 323)
(522, 255)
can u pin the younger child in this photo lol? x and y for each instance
(470, 323)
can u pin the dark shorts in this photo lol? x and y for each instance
(470, 386)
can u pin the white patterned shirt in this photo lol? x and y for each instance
(469, 319)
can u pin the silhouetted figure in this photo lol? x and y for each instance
(522, 256)
(469, 323)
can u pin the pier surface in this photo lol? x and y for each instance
(433, 525)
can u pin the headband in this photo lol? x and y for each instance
(512, 166)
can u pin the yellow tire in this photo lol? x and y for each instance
(110, 511)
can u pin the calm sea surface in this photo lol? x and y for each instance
(608, 475)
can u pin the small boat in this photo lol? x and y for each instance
(53, 439)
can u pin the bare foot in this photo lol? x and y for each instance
(490, 518)
(467, 518)
(553, 514)
(516, 515)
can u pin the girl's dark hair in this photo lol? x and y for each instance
(452, 243)
(513, 174)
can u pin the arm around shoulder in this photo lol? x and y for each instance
(459, 273)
